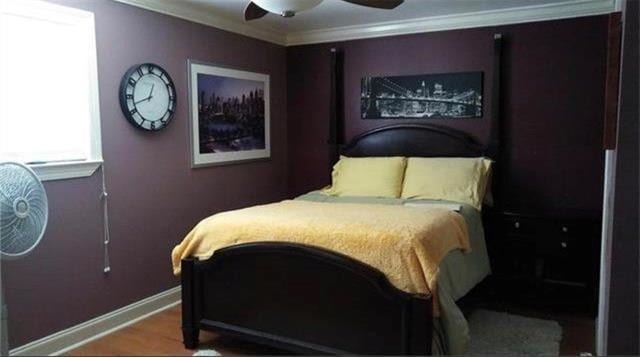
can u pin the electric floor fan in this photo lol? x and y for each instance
(23, 219)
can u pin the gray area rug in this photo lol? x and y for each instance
(499, 333)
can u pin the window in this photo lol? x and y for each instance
(49, 103)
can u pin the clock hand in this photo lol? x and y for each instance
(147, 98)
(151, 93)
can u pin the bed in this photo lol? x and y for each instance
(306, 299)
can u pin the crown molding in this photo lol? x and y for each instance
(189, 13)
(534, 13)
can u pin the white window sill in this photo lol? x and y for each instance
(66, 170)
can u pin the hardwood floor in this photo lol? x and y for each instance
(160, 335)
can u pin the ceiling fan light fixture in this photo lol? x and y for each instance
(287, 8)
(257, 9)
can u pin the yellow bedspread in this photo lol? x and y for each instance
(405, 243)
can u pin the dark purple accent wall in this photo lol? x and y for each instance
(553, 94)
(155, 197)
(624, 333)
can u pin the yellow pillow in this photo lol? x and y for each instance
(367, 176)
(452, 179)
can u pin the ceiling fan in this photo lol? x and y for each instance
(288, 8)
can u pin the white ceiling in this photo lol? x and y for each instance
(335, 20)
(338, 13)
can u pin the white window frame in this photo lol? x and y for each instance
(86, 21)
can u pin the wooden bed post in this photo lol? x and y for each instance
(190, 326)
(494, 145)
(336, 107)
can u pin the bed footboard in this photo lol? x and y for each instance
(301, 299)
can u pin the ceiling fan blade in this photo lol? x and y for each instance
(379, 4)
(253, 11)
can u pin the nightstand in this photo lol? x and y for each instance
(550, 259)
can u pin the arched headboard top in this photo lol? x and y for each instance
(413, 140)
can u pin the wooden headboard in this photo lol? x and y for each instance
(424, 140)
(417, 140)
(414, 140)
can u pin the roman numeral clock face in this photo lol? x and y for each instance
(147, 97)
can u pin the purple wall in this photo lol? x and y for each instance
(553, 103)
(623, 335)
(155, 196)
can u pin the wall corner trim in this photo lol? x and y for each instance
(190, 13)
(507, 16)
(76, 336)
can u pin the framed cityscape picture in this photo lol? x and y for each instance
(229, 111)
(427, 96)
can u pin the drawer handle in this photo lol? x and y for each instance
(517, 224)
(565, 229)
(563, 244)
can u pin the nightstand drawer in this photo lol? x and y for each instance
(576, 228)
(561, 245)
(570, 228)
(515, 225)
(569, 265)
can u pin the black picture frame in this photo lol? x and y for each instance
(426, 96)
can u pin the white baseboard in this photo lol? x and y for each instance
(76, 336)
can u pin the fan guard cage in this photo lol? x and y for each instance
(23, 210)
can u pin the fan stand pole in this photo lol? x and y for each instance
(4, 339)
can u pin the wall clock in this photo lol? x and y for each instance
(147, 97)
